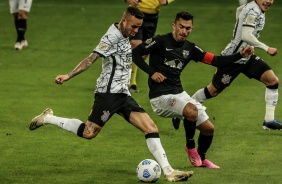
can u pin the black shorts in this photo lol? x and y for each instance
(224, 76)
(107, 104)
(148, 28)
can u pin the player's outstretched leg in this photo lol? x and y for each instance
(38, 121)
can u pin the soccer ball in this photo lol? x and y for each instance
(148, 171)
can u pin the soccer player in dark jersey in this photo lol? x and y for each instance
(169, 55)
(250, 20)
(111, 93)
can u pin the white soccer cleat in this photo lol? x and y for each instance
(24, 43)
(38, 121)
(179, 176)
(18, 46)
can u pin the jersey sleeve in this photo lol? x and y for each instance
(198, 54)
(149, 46)
(250, 15)
(106, 47)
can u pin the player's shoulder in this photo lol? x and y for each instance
(252, 7)
(189, 44)
(112, 36)
(159, 39)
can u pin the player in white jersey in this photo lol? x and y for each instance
(20, 10)
(250, 20)
(112, 95)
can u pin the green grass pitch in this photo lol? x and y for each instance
(63, 32)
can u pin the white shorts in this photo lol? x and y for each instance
(169, 106)
(16, 5)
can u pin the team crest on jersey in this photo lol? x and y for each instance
(226, 79)
(185, 53)
(103, 46)
(250, 19)
(105, 116)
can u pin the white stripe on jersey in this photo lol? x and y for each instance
(117, 61)
(251, 15)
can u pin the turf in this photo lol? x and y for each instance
(62, 33)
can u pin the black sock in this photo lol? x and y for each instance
(207, 93)
(204, 143)
(190, 129)
(17, 29)
(21, 29)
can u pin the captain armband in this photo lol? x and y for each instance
(208, 58)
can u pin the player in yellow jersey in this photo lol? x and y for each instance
(151, 9)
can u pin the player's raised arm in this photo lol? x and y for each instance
(82, 66)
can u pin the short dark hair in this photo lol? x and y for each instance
(183, 15)
(134, 11)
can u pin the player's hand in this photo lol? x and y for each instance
(158, 77)
(272, 51)
(60, 79)
(247, 51)
(132, 2)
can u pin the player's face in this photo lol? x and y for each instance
(181, 29)
(264, 4)
(130, 26)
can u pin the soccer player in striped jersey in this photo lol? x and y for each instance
(169, 55)
(250, 20)
(111, 93)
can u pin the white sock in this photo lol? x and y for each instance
(200, 95)
(271, 98)
(71, 125)
(157, 150)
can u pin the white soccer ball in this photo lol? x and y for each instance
(148, 171)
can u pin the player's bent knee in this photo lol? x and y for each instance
(22, 15)
(191, 112)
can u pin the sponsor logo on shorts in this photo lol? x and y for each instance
(226, 79)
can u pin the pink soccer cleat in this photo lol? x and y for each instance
(208, 164)
(194, 157)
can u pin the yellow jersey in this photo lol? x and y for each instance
(150, 6)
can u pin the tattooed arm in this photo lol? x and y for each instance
(81, 67)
